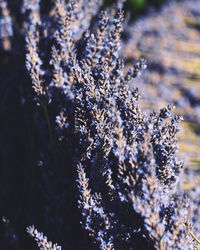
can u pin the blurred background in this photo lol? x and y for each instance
(167, 35)
(138, 7)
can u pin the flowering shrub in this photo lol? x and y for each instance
(172, 51)
(100, 159)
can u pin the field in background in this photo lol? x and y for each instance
(170, 41)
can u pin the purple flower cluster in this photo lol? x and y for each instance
(102, 161)
(6, 29)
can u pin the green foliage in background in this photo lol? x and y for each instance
(137, 4)
(138, 7)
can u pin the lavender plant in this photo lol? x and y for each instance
(108, 173)
(172, 51)
(42, 240)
